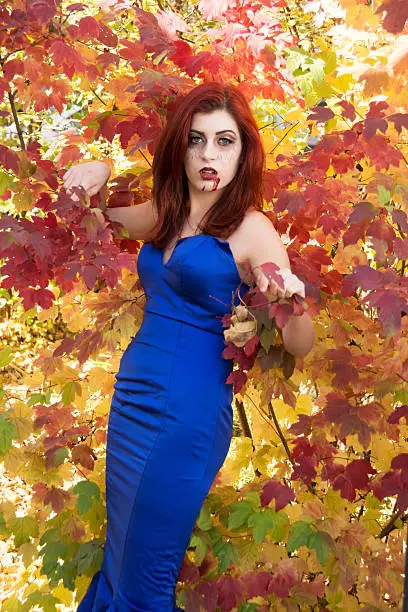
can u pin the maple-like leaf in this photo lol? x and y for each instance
(211, 9)
(396, 15)
(320, 114)
(354, 477)
(277, 491)
(41, 10)
(399, 413)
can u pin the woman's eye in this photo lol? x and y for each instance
(194, 139)
(225, 141)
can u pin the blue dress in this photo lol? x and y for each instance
(170, 424)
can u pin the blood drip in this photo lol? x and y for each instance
(215, 183)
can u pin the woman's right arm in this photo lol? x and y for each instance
(93, 176)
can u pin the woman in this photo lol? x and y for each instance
(170, 422)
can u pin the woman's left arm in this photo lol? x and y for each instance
(263, 244)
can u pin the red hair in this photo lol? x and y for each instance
(170, 187)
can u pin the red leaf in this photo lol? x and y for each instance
(320, 114)
(9, 159)
(89, 27)
(399, 120)
(251, 345)
(106, 36)
(377, 109)
(354, 477)
(283, 579)
(396, 15)
(57, 498)
(237, 378)
(399, 413)
(372, 124)
(41, 10)
(292, 201)
(401, 248)
(229, 592)
(83, 454)
(348, 110)
(13, 67)
(275, 490)
(362, 211)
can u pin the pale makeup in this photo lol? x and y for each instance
(214, 142)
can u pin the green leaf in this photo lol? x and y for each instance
(253, 498)
(46, 601)
(23, 527)
(241, 511)
(321, 543)
(401, 395)
(68, 393)
(6, 181)
(226, 553)
(89, 557)
(280, 524)
(96, 516)
(87, 491)
(6, 355)
(200, 547)
(267, 338)
(260, 523)
(248, 607)
(384, 196)
(51, 553)
(204, 521)
(36, 398)
(8, 431)
(60, 455)
(299, 535)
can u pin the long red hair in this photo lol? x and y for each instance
(170, 187)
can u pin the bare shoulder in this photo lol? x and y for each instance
(262, 241)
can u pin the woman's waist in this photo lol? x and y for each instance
(202, 325)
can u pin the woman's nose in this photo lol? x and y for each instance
(209, 150)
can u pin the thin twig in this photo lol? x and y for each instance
(292, 127)
(16, 120)
(390, 526)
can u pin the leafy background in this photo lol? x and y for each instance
(308, 511)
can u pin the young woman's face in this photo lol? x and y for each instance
(213, 152)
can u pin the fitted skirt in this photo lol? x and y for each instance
(169, 431)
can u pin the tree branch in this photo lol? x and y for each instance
(390, 526)
(16, 120)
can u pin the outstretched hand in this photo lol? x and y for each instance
(270, 289)
(91, 176)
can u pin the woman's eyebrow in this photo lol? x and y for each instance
(216, 133)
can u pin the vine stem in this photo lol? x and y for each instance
(286, 447)
(280, 434)
(390, 526)
(16, 120)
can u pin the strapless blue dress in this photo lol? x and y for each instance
(170, 424)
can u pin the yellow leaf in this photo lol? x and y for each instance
(81, 586)
(102, 406)
(13, 459)
(76, 317)
(48, 315)
(64, 595)
(29, 553)
(262, 458)
(127, 327)
(21, 416)
(285, 414)
(238, 459)
(22, 200)
(100, 380)
(304, 404)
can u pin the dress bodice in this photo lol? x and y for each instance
(196, 285)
